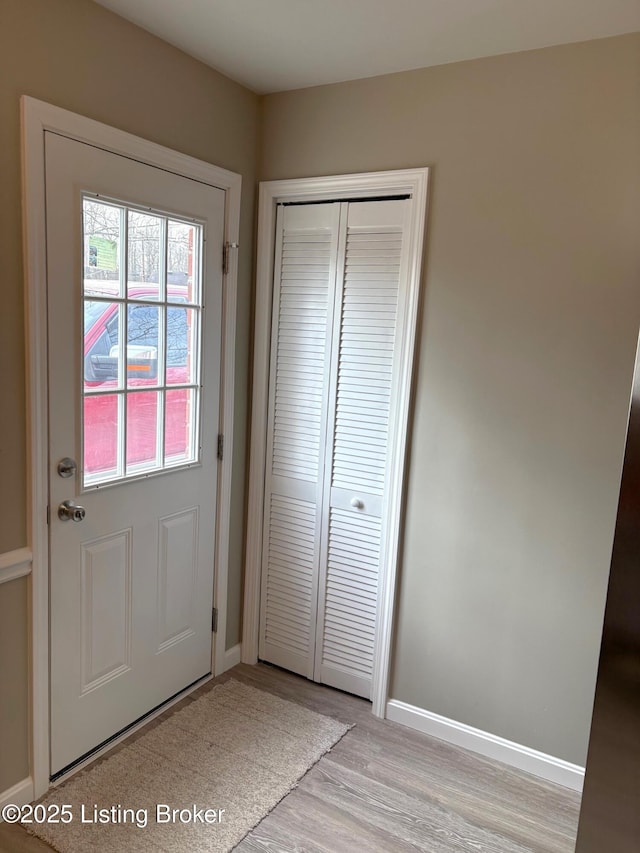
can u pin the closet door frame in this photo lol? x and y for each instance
(370, 185)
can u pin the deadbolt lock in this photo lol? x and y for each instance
(67, 467)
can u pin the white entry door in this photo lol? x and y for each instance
(134, 270)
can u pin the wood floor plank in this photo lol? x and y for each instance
(385, 788)
(420, 822)
(313, 825)
(514, 811)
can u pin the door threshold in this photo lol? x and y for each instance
(107, 745)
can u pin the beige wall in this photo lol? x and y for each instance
(14, 714)
(75, 54)
(531, 310)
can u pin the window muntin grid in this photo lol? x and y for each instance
(142, 315)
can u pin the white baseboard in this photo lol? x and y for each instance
(19, 794)
(232, 657)
(514, 754)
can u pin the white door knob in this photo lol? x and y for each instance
(356, 503)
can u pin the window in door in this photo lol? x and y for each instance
(142, 306)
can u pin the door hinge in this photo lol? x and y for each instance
(214, 620)
(48, 515)
(226, 248)
(220, 445)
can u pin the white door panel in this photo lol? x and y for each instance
(337, 296)
(305, 272)
(132, 584)
(362, 400)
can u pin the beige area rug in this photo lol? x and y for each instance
(235, 749)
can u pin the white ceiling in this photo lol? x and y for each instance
(273, 45)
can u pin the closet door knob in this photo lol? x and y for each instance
(356, 503)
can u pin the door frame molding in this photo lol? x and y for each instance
(36, 118)
(336, 187)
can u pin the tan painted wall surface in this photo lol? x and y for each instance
(531, 311)
(14, 710)
(75, 54)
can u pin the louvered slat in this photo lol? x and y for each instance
(364, 386)
(301, 353)
(351, 593)
(290, 574)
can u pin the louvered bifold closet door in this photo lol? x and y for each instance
(303, 304)
(372, 264)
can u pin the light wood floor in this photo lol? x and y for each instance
(385, 788)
